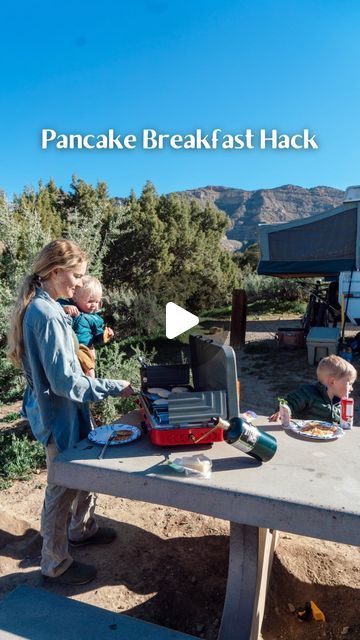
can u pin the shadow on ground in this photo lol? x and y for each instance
(180, 583)
(182, 578)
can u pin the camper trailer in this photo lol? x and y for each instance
(326, 245)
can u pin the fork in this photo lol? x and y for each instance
(102, 452)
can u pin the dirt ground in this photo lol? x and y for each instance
(169, 566)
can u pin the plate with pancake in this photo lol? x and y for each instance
(114, 434)
(316, 429)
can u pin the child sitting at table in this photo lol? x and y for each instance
(87, 324)
(321, 401)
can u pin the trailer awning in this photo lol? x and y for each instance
(320, 245)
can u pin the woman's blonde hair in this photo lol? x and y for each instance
(58, 254)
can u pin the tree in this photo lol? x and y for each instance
(249, 257)
(22, 237)
(47, 202)
(90, 217)
(138, 248)
(170, 247)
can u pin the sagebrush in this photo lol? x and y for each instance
(19, 458)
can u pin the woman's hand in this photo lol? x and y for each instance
(128, 390)
(275, 417)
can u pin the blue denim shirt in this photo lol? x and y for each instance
(57, 396)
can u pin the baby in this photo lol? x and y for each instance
(321, 401)
(87, 324)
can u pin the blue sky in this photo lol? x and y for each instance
(177, 66)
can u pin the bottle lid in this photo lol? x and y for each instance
(221, 423)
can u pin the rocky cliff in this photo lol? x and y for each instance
(246, 209)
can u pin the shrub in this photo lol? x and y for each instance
(130, 313)
(11, 380)
(269, 288)
(19, 457)
(11, 417)
(112, 362)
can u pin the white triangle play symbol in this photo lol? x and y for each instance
(178, 320)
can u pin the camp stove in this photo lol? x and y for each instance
(187, 415)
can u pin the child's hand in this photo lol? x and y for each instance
(275, 417)
(71, 310)
(108, 334)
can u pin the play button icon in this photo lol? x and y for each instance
(178, 320)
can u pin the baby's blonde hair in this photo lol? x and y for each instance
(91, 285)
(336, 367)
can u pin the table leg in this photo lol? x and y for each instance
(250, 559)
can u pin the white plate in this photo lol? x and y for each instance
(161, 402)
(158, 391)
(100, 435)
(297, 426)
(179, 390)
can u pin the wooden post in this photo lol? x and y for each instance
(238, 318)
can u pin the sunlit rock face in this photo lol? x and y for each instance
(246, 209)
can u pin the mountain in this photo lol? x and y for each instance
(246, 209)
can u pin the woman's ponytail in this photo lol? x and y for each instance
(15, 334)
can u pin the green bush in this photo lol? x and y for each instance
(10, 417)
(268, 288)
(168, 248)
(128, 312)
(11, 380)
(19, 457)
(112, 362)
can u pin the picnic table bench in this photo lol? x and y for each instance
(34, 614)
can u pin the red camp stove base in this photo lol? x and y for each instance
(175, 436)
(184, 436)
(211, 375)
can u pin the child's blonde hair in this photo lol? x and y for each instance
(336, 367)
(90, 285)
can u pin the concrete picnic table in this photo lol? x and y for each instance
(310, 488)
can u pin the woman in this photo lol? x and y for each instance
(56, 401)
